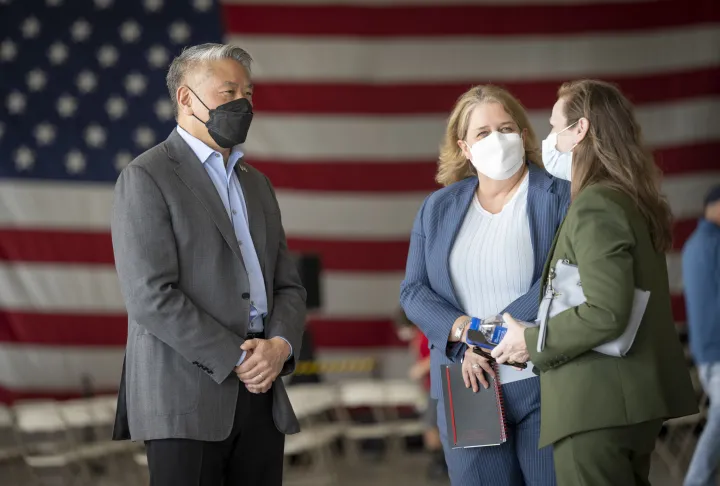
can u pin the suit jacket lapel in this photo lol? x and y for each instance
(256, 215)
(542, 210)
(191, 171)
(454, 214)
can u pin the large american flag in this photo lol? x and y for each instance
(351, 101)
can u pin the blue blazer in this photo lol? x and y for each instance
(427, 295)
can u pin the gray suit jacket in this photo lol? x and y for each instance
(187, 295)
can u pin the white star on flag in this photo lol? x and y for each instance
(30, 27)
(116, 107)
(144, 137)
(58, 53)
(16, 103)
(44, 133)
(75, 162)
(158, 57)
(164, 110)
(153, 5)
(202, 5)
(107, 56)
(66, 106)
(24, 158)
(130, 31)
(135, 84)
(122, 160)
(179, 32)
(80, 30)
(36, 80)
(95, 136)
(8, 50)
(86, 81)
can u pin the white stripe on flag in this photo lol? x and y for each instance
(477, 59)
(60, 368)
(317, 215)
(49, 205)
(94, 289)
(417, 137)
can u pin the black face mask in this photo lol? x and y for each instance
(229, 123)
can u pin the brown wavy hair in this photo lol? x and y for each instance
(613, 154)
(452, 164)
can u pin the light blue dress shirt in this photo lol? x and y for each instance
(230, 191)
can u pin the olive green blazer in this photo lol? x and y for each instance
(582, 390)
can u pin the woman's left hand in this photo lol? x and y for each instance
(512, 348)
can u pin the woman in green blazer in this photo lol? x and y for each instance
(601, 413)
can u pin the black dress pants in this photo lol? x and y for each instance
(251, 456)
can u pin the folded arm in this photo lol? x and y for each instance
(147, 266)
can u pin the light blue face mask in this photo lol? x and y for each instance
(558, 164)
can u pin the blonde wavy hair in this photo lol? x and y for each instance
(452, 164)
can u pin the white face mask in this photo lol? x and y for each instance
(557, 163)
(498, 156)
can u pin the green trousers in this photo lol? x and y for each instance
(618, 456)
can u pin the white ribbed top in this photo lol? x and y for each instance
(491, 262)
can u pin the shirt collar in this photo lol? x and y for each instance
(204, 152)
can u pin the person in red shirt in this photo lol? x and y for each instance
(420, 371)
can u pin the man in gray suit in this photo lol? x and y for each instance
(215, 304)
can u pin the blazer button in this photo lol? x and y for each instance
(246, 296)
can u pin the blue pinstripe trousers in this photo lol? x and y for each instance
(517, 462)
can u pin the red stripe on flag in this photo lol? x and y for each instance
(682, 231)
(337, 255)
(355, 255)
(454, 20)
(685, 160)
(54, 246)
(356, 176)
(402, 99)
(678, 308)
(330, 333)
(111, 330)
(63, 329)
(419, 176)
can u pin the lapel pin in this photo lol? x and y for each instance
(243, 168)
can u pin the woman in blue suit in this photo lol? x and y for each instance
(477, 249)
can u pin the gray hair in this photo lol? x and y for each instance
(190, 57)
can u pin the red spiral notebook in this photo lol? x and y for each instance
(474, 419)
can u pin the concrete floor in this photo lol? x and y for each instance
(411, 471)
